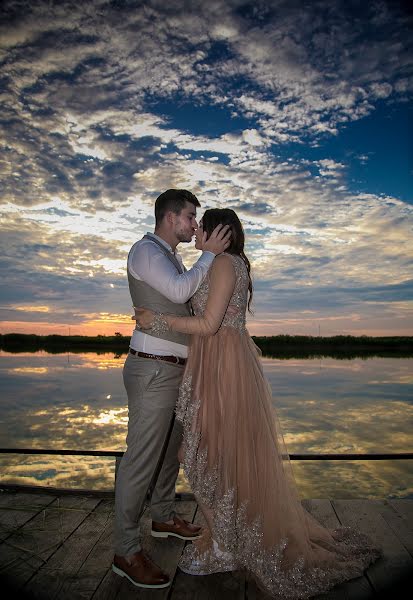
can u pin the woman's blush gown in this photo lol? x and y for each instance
(235, 459)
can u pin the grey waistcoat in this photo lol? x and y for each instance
(143, 294)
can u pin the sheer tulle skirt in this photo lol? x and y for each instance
(237, 465)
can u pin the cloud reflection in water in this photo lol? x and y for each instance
(78, 402)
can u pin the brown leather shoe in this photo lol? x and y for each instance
(179, 528)
(140, 571)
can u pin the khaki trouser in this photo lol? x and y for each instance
(152, 387)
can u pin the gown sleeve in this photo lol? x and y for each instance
(221, 287)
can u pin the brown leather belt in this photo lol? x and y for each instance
(177, 360)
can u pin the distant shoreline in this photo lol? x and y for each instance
(277, 346)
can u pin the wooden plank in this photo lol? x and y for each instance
(401, 525)
(404, 507)
(164, 552)
(323, 511)
(57, 491)
(365, 516)
(37, 540)
(53, 580)
(354, 589)
(108, 588)
(22, 499)
(26, 550)
(230, 586)
(96, 566)
(17, 509)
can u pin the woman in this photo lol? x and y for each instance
(233, 452)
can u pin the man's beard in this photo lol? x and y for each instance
(184, 237)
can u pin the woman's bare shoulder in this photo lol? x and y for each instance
(223, 264)
(223, 259)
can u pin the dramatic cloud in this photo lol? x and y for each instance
(294, 115)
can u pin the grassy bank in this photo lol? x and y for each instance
(279, 346)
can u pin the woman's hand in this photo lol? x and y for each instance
(218, 241)
(144, 318)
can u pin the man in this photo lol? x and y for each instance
(152, 375)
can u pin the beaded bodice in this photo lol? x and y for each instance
(237, 307)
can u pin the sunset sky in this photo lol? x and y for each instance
(297, 115)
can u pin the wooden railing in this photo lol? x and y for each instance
(117, 455)
(292, 456)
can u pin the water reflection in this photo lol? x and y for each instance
(80, 472)
(78, 402)
(344, 406)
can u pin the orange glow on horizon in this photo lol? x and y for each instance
(257, 328)
(92, 328)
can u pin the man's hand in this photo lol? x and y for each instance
(143, 317)
(218, 241)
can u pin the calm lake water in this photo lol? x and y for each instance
(77, 401)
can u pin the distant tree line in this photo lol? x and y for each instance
(55, 344)
(339, 346)
(277, 346)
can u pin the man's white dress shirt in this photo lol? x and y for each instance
(146, 262)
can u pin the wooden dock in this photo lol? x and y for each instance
(59, 546)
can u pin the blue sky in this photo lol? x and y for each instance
(298, 116)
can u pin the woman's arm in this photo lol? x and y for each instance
(148, 263)
(222, 283)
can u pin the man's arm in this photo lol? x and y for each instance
(154, 268)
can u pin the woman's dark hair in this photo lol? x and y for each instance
(226, 216)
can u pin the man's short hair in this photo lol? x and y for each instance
(174, 201)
